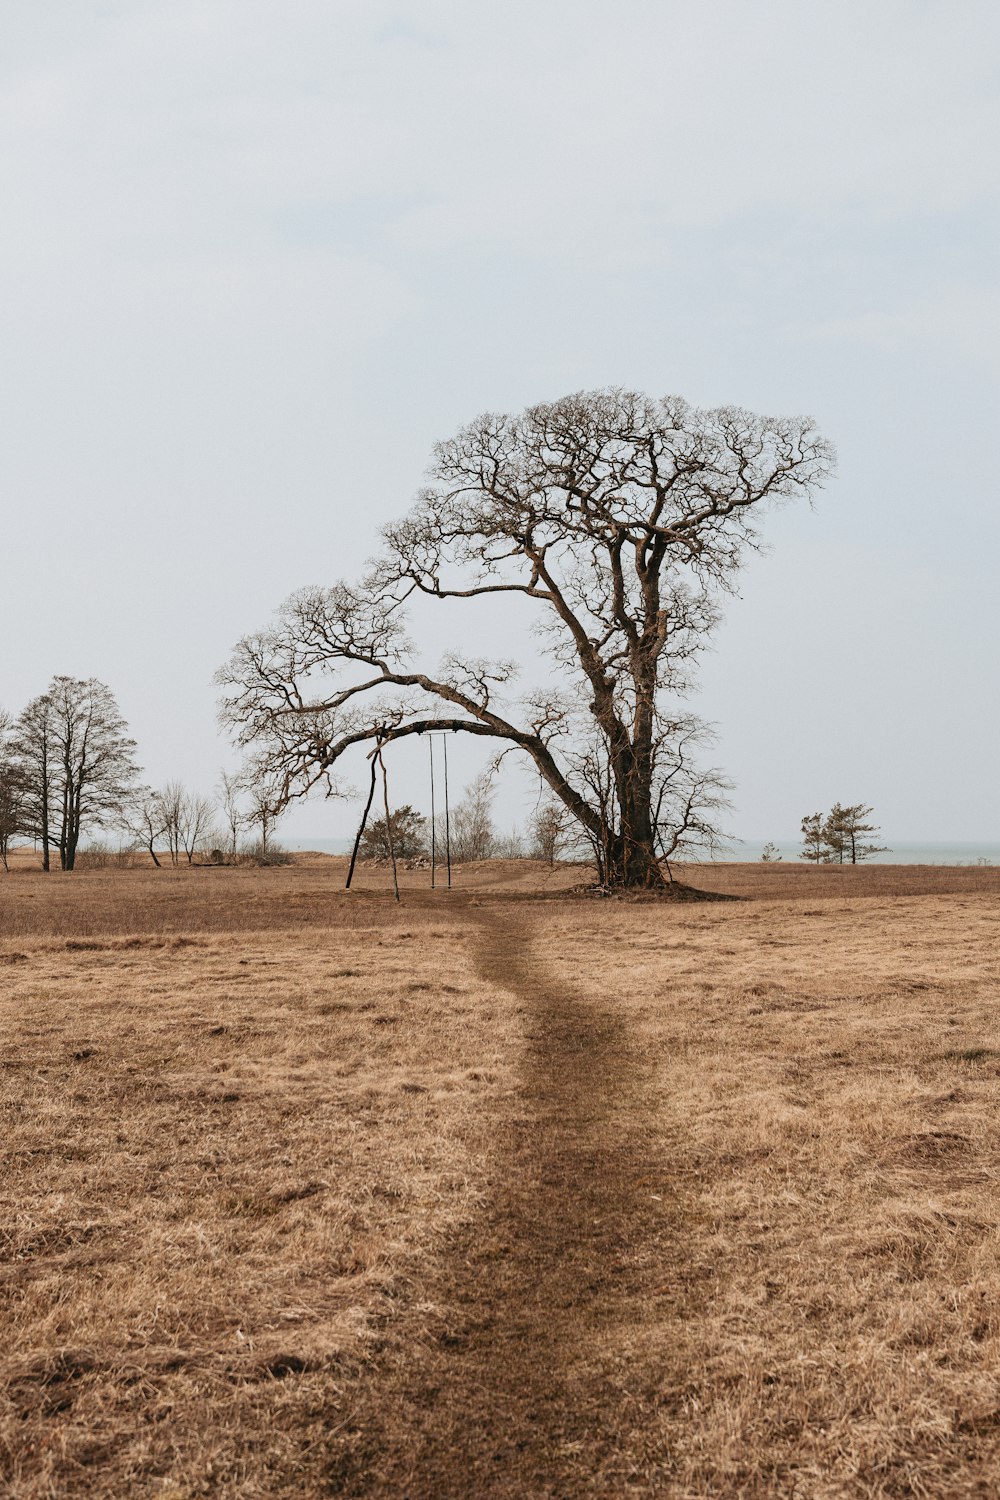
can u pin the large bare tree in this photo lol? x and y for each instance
(187, 819)
(73, 749)
(146, 820)
(616, 519)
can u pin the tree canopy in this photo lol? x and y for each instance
(617, 519)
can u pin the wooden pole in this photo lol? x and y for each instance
(364, 820)
(447, 823)
(430, 743)
(388, 823)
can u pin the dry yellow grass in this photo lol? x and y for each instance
(822, 1093)
(492, 1194)
(225, 1156)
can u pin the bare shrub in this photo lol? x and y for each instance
(103, 856)
(509, 845)
(554, 831)
(264, 854)
(473, 835)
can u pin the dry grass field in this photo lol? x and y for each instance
(502, 1191)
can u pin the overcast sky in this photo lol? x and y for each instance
(256, 258)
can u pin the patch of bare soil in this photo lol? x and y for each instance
(674, 890)
(523, 1390)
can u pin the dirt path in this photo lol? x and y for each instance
(534, 1389)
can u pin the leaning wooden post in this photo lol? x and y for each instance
(364, 820)
(430, 746)
(447, 816)
(388, 823)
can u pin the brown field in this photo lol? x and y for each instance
(502, 1191)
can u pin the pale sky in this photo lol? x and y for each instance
(256, 258)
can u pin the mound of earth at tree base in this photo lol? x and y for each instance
(675, 890)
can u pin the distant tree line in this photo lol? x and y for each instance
(843, 836)
(68, 770)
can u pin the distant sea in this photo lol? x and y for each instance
(903, 853)
(749, 850)
(321, 846)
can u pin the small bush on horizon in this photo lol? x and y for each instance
(264, 855)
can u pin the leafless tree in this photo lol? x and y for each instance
(473, 834)
(231, 791)
(33, 750)
(146, 821)
(171, 799)
(74, 751)
(264, 806)
(13, 793)
(688, 799)
(615, 520)
(196, 824)
(509, 845)
(187, 819)
(552, 826)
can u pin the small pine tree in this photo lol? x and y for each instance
(842, 837)
(834, 833)
(770, 856)
(814, 844)
(409, 835)
(850, 835)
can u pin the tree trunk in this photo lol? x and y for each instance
(633, 862)
(46, 857)
(631, 853)
(71, 829)
(631, 858)
(67, 849)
